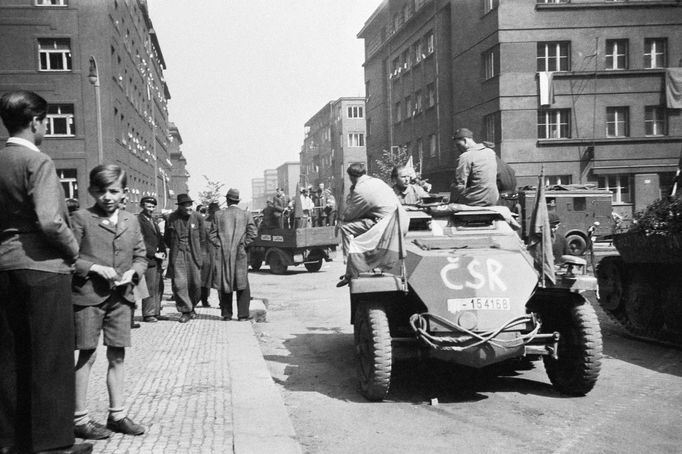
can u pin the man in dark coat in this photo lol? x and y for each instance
(37, 383)
(208, 267)
(279, 204)
(185, 237)
(231, 233)
(156, 252)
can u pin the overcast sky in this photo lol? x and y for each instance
(245, 76)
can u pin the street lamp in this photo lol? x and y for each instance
(93, 77)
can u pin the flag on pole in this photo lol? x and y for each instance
(409, 166)
(540, 235)
(381, 247)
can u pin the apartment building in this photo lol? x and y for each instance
(100, 66)
(334, 138)
(574, 89)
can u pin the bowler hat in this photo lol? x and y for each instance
(148, 199)
(233, 194)
(463, 133)
(183, 198)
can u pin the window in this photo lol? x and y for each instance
(620, 185)
(355, 112)
(60, 120)
(55, 54)
(551, 180)
(430, 42)
(52, 3)
(431, 89)
(655, 121)
(396, 68)
(490, 64)
(356, 139)
(655, 50)
(553, 56)
(489, 5)
(490, 127)
(433, 146)
(616, 54)
(418, 51)
(398, 114)
(418, 102)
(554, 124)
(407, 59)
(408, 107)
(617, 122)
(69, 182)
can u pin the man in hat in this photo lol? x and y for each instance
(208, 267)
(185, 237)
(279, 204)
(475, 176)
(156, 252)
(559, 243)
(231, 233)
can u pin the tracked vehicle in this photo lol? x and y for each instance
(470, 294)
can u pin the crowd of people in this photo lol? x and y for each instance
(69, 276)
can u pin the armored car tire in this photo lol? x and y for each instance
(577, 367)
(313, 266)
(277, 265)
(373, 347)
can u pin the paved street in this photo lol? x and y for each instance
(200, 387)
(308, 344)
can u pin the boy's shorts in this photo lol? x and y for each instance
(113, 317)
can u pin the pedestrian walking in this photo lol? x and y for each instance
(231, 233)
(208, 265)
(112, 260)
(156, 253)
(37, 249)
(185, 237)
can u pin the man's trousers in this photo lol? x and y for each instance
(36, 360)
(186, 282)
(243, 302)
(151, 306)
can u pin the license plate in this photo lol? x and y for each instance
(480, 303)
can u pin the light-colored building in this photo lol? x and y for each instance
(288, 177)
(258, 193)
(179, 174)
(334, 139)
(57, 48)
(575, 87)
(270, 179)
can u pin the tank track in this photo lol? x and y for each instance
(619, 315)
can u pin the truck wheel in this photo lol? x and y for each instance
(576, 244)
(255, 260)
(580, 349)
(313, 266)
(373, 346)
(277, 266)
(610, 280)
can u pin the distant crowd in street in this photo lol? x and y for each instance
(70, 274)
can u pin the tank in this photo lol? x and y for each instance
(640, 287)
(468, 293)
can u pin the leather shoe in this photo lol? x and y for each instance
(91, 431)
(193, 315)
(135, 325)
(245, 319)
(161, 317)
(226, 318)
(344, 281)
(150, 319)
(79, 448)
(185, 317)
(125, 426)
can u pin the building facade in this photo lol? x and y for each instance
(334, 138)
(574, 89)
(179, 180)
(288, 177)
(96, 63)
(258, 195)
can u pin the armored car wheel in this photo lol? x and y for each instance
(373, 347)
(277, 265)
(313, 266)
(576, 370)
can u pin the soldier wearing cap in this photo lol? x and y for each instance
(559, 243)
(185, 238)
(231, 233)
(476, 173)
(156, 252)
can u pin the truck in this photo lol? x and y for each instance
(467, 291)
(579, 207)
(284, 247)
